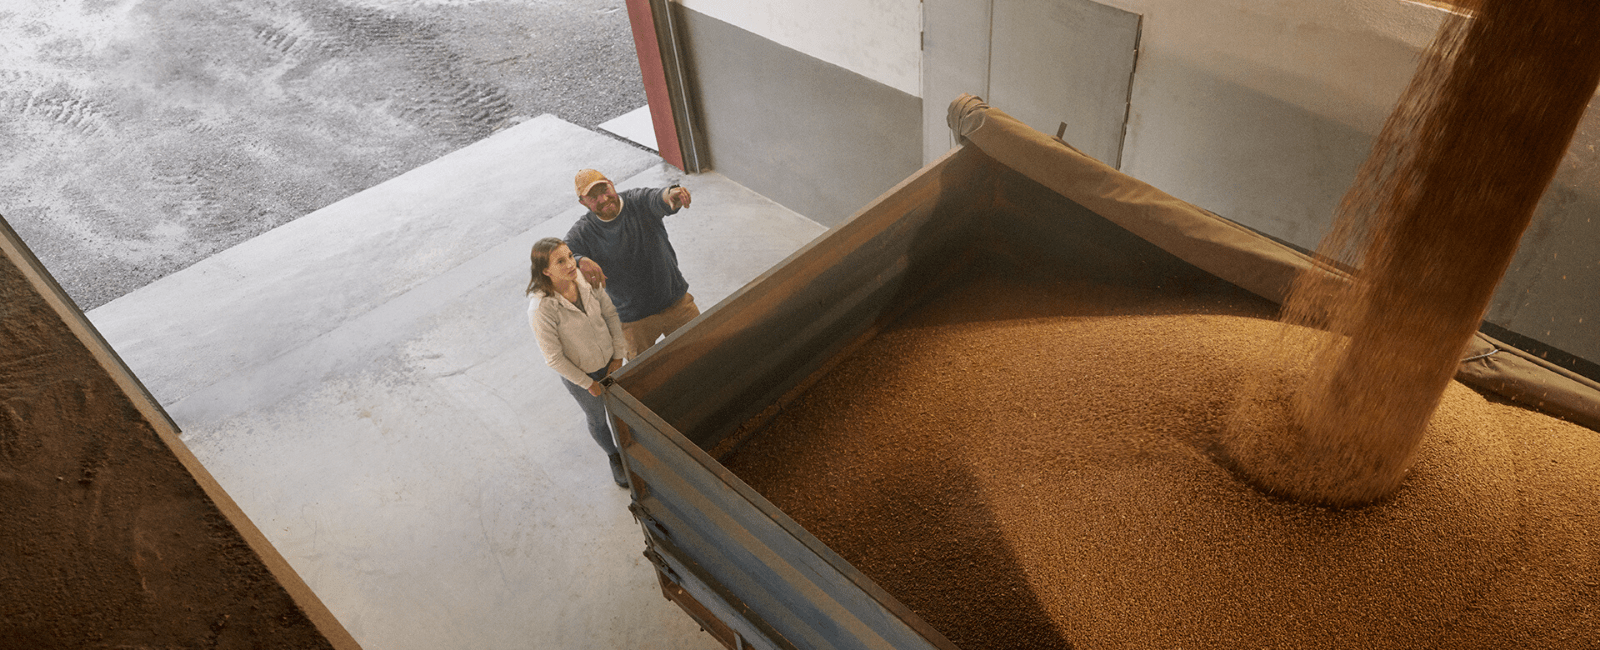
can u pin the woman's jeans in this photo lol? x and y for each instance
(594, 408)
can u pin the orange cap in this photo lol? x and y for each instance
(587, 179)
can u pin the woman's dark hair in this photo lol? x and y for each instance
(539, 261)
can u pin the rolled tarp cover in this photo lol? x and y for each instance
(1526, 379)
(1216, 245)
(1248, 259)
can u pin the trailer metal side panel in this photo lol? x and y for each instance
(746, 561)
(736, 554)
(715, 373)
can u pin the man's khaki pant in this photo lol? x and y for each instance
(643, 333)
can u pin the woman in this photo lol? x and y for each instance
(580, 335)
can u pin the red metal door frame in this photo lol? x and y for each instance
(656, 89)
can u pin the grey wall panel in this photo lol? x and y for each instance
(1551, 292)
(1281, 165)
(1253, 158)
(1282, 169)
(955, 60)
(1067, 62)
(814, 137)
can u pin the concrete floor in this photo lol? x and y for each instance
(364, 384)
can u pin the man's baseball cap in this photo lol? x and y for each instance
(587, 179)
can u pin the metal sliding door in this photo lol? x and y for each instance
(1054, 62)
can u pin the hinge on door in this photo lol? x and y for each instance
(651, 526)
(661, 565)
(649, 522)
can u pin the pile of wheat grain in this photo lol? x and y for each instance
(1030, 465)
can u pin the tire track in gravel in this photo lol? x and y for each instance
(138, 138)
(446, 99)
(28, 96)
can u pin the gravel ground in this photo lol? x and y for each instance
(139, 137)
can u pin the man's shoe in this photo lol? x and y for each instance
(617, 473)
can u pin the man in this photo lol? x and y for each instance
(625, 235)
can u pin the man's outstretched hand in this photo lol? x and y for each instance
(677, 197)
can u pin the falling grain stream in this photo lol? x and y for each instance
(1432, 222)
